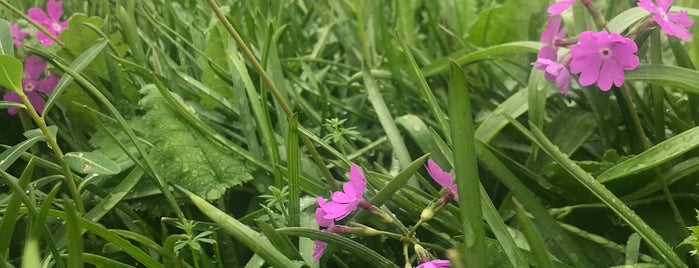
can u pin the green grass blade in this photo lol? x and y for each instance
(607, 197)
(78, 65)
(248, 237)
(386, 120)
(75, 247)
(654, 156)
(100, 261)
(464, 57)
(6, 45)
(665, 75)
(499, 229)
(537, 246)
(9, 156)
(9, 219)
(466, 169)
(356, 249)
(292, 149)
(31, 257)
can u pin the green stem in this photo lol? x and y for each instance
(53, 144)
(275, 91)
(33, 23)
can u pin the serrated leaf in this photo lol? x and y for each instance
(91, 163)
(184, 155)
(10, 73)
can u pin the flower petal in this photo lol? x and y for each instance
(39, 16)
(12, 97)
(54, 9)
(43, 39)
(318, 249)
(558, 7)
(37, 101)
(47, 84)
(664, 4)
(34, 67)
(648, 5)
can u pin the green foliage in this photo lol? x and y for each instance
(184, 156)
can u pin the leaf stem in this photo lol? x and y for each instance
(53, 145)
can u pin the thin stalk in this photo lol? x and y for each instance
(646, 144)
(53, 144)
(33, 23)
(275, 91)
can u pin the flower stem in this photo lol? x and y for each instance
(275, 92)
(33, 23)
(53, 144)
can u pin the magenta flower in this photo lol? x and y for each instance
(17, 34)
(435, 264)
(50, 19)
(31, 85)
(672, 23)
(554, 71)
(320, 214)
(343, 203)
(558, 7)
(601, 57)
(442, 178)
(549, 35)
(318, 249)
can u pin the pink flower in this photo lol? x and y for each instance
(31, 85)
(558, 7)
(549, 35)
(435, 264)
(343, 203)
(17, 34)
(320, 214)
(51, 20)
(318, 249)
(601, 57)
(554, 71)
(442, 178)
(672, 23)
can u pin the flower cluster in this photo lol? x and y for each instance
(34, 67)
(341, 204)
(49, 18)
(599, 58)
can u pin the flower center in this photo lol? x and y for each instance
(29, 87)
(56, 27)
(605, 53)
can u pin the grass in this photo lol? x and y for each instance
(194, 133)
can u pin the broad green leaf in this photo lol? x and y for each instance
(6, 44)
(654, 156)
(247, 236)
(513, 107)
(422, 135)
(11, 73)
(665, 75)
(464, 57)
(184, 155)
(91, 163)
